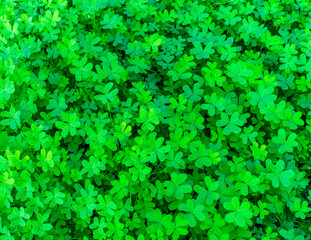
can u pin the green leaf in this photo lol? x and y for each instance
(70, 124)
(82, 69)
(107, 94)
(13, 118)
(200, 53)
(58, 106)
(232, 124)
(264, 96)
(18, 217)
(176, 186)
(149, 119)
(239, 73)
(286, 143)
(194, 212)
(239, 213)
(7, 90)
(301, 208)
(279, 174)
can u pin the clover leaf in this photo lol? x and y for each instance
(240, 213)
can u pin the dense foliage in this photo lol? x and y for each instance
(155, 119)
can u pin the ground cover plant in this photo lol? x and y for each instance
(155, 119)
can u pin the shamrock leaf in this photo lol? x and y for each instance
(152, 43)
(264, 96)
(6, 90)
(200, 53)
(46, 160)
(106, 205)
(203, 156)
(248, 135)
(140, 172)
(233, 124)
(148, 119)
(239, 213)
(82, 69)
(119, 187)
(70, 124)
(157, 220)
(110, 22)
(239, 72)
(288, 63)
(207, 192)
(135, 49)
(246, 182)
(27, 109)
(261, 209)
(212, 75)
(123, 131)
(54, 198)
(213, 103)
(301, 208)
(12, 29)
(228, 52)
(68, 48)
(13, 118)
(279, 174)
(53, 18)
(58, 105)
(93, 166)
(193, 212)
(177, 186)
(110, 68)
(98, 226)
(18, 217)
(96, 137)
(175, 160)
(286, 143)
(193, 95)
(107, 94)
(115, 229)
(155, 149)
(178, 229)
